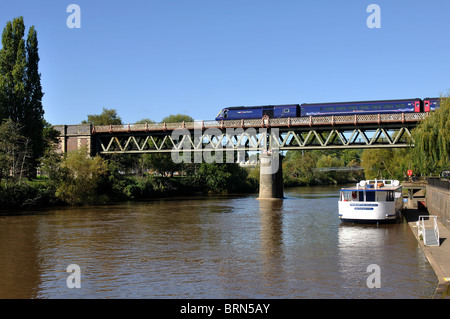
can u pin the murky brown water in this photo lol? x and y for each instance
(210, 248)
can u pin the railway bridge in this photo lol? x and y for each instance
(210, 140)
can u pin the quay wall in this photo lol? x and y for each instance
(438, 200)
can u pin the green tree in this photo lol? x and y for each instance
(13, 70)
(378, 163)
(177, 118)
(328, 161)
(14, 151)
(163, 162)
(20, 84)
(34, 112)
(432, 140)
(352, 156)
(298, 168)
(222, 177)
(145, 120)
(107, 117)
(79, 177)
(50, 136)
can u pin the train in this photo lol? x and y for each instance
(415, 105)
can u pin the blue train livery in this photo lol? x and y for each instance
(431, 104)
(257, 112)
(324, 109)
(364, 107)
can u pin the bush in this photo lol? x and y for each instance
(79, 178)
(26, 195)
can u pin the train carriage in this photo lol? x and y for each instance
(414, 105)
(363, 107)
(257, 112)
(431, 104)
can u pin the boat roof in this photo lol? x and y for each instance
(369, 185)
(379, 189)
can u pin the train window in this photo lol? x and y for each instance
(340, 108)
(401, 106)
(330, 108)
(376, 107)
(286, 111)
(225, 114)
(351, 108)
(364, 107)
(388, 106)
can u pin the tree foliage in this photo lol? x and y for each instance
(79, 177)
(14, 152)
(310, 167)
(177, 118)
(378, 163)
(432, 140)
(107, 117)
(163, 162)
(20, 84)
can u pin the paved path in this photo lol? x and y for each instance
(438, 256)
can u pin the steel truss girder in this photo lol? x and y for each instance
(252, 140)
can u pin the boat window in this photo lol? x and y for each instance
(390, 196)
(349, 196)
(370, 196)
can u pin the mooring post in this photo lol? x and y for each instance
(270, 176)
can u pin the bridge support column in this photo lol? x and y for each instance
(270, 176)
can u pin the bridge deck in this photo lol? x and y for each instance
(310, 121)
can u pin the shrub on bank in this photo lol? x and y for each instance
(30, 194)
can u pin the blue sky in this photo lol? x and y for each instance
(150, 59)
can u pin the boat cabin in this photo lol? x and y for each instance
(371, 200)
(372, 191)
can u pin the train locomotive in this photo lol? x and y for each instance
(326, 109)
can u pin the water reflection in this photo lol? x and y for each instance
(388, 246)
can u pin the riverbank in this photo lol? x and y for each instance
(438, 256)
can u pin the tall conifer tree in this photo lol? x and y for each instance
(20, 83)
(33, 112)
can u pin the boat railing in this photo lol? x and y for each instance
(378, 183)
(427, 231)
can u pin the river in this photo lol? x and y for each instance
(210, 247)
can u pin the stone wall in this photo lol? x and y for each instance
(438, 200)
(74, 137)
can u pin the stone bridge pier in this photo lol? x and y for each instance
(271, 176)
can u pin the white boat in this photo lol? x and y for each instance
(371, 201)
